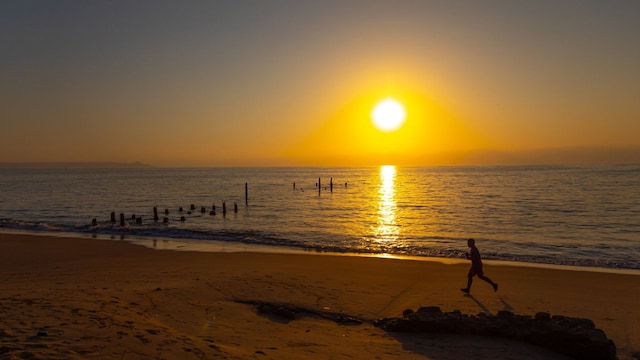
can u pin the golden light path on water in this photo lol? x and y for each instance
(387, 229)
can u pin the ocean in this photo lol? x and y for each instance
(587, 216)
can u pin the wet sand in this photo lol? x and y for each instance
(67, 298)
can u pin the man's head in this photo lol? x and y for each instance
(471, 242)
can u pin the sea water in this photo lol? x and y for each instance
(562, 215)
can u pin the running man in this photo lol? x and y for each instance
(476, 267)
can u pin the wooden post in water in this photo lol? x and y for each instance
(235, 207)
(246, 194)
(155, 214)
(319, 186)
(113, 217)
(294, 185)
(224, 208)
(331, 184)
(121, 219)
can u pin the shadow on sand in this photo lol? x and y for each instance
(480, 305)
(452, 346)
(506, 305)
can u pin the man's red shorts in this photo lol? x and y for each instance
(475, 270)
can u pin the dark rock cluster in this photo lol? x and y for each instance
(290, 312)
(575, 337)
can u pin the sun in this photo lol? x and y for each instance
(388, 115)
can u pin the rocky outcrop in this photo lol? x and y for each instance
(290, 312)
(575, 337)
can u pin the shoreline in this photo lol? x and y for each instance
(171, 244)
(98, 298)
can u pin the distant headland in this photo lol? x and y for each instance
(73, 165)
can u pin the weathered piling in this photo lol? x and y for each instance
(155, 214)
(294, 185)
(246, 194)
(235, 207)
(331, 184)
(121, 219)
(139, 220)
(180, 209)
(319, 186)
(203, 209)
(224, 208)
(182, 218)
(94, 222)
(113, 217)
(193, 207)
(165, 220)
(133, 217)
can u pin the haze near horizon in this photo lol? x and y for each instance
(281, 83)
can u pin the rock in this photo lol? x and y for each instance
(455, 314)
(347, 320)
(575, 337)
(27, 355)
(284, 311)
(429, 313)
(542, 316)
(432, 310)
(407, 313)
(505, 315)
(584, 323)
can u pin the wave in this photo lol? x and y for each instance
(159, 230)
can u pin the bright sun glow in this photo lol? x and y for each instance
(388, 115)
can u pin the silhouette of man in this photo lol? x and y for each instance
(476, 267)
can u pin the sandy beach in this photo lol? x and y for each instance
(67, 298)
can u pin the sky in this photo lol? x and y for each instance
(293, 83)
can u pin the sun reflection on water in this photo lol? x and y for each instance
(387, 229)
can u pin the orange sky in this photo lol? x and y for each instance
(293, 83)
